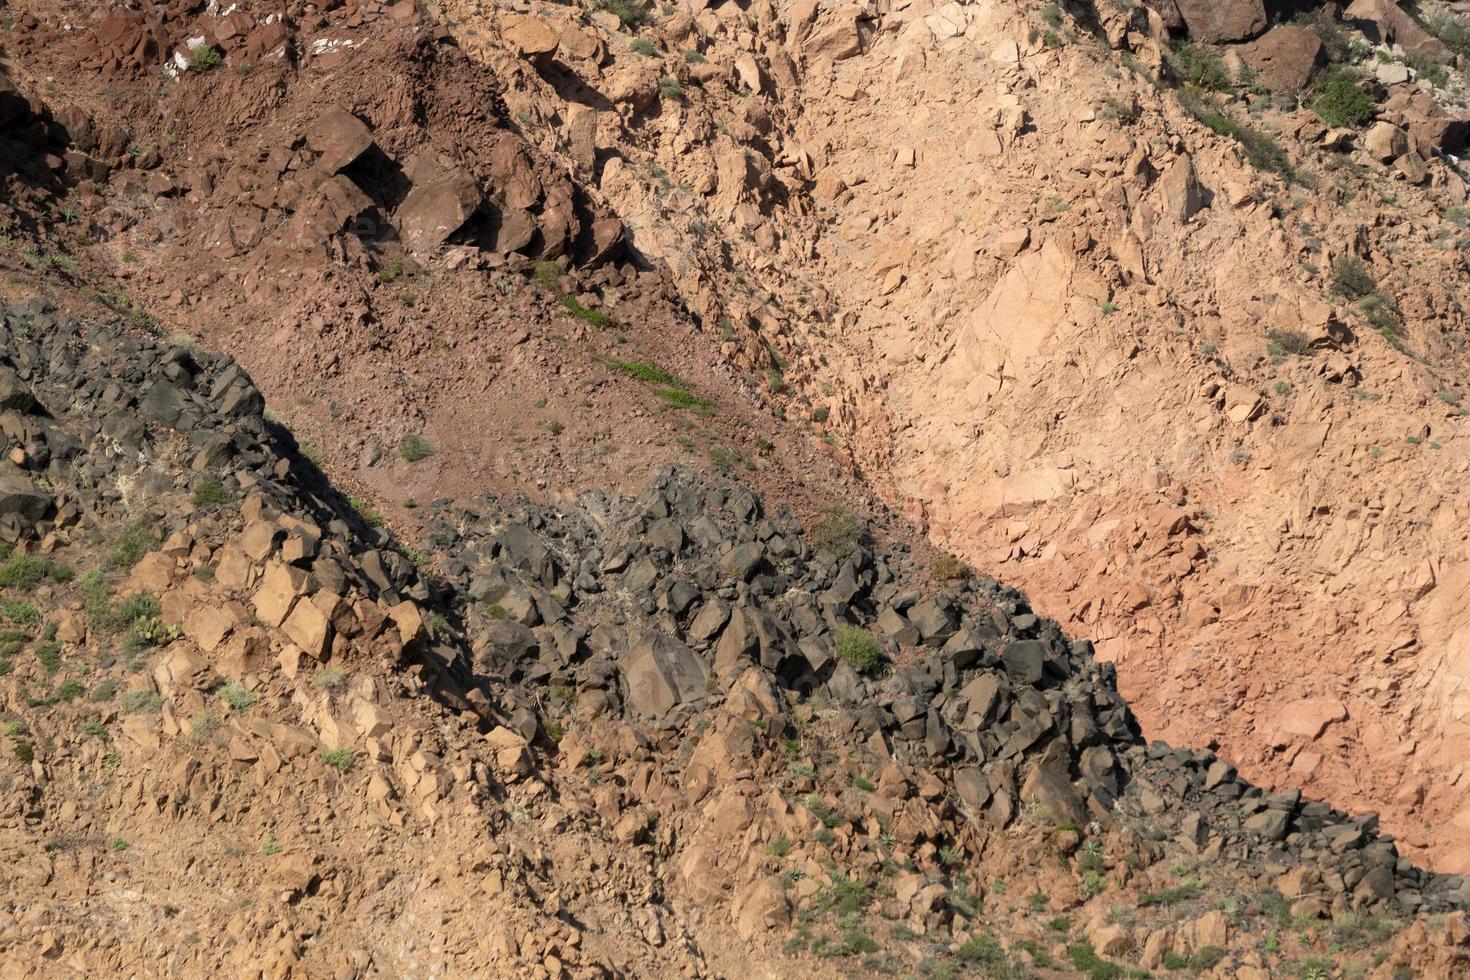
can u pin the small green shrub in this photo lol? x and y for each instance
(20, 612)
(203, 726)
(1199, 67)
(204, 58)
(669, 87)
(139, 701)
(50, 656)
(237, 696)
(643, 46)
(1450, 29)
(370, 516)
(1263, 152)
(646, 372)
(859, 648)
(208, 492)
(1428, 67)
(131, 544)
(330, 679)
(595, 318)
(1351, 278)
(1288, 341)
(682, 398)
(340, 759)
(948, 568)
(26, 571)
(415, 447)
(632, 14)
(1341, 103)
(837, 530)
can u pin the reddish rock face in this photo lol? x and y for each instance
(1212, 21)
(1284, 57)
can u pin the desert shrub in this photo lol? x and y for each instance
(1429, 67)
(134, 609)
(837, 530)
(130, 545)
(669, 87)
(1263, 152)
(1450, 29)
(1341, 103)
(859, 647)
(207, 492)
(948, 568)
(237, 696)
(370, 515)
(1288, 341)
(415, 447)
(20, 612)
(340, 759)
(137, 702)
(1199, 67)
(330, 679)
(643, 46)
(204, 58)
(1383, 316)
(1351, 278)
(630, 13)
(26, 571)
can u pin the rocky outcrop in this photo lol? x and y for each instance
(1285, 57)
(1213, 21)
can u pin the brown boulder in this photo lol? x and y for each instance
(1384, 22)
(1385, 142)
(437, 208)
(1213, 21)
(529, 36)
(1284, 57)
(340, 138)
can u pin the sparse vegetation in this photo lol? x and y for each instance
(1198, 67)
(1263, 152)
(948, 568)
(204, 58)
(1340, 102)
(237, 696)
(415, 447)
(131, 544)
(632, 14)
(329, 679)
(837, 530)
(1351, 278)
(859, 647)
(340, 759)
(208, 493)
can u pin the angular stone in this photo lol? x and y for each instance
(1213, 21)
(661, 673)
(1024, 661)
(339, 138)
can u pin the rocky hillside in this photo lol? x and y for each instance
(651, 731)
(546, 580)
(1181, 351)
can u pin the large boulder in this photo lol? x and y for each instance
(1384, 22)
(662, 673)
(20, 496)
(1213, 21)
(1284, 57)
(340, 138)
(441, 201)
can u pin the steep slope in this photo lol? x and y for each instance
(1052, 310)
(651, 736)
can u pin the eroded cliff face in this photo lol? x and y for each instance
(1030, 295)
